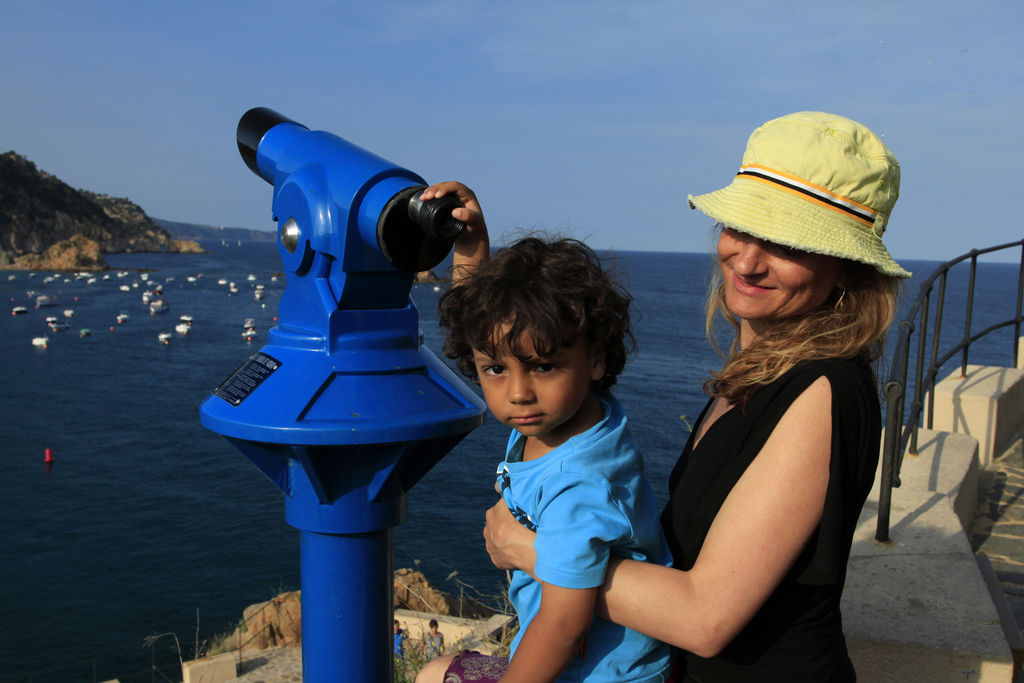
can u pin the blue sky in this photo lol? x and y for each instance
(593, 119)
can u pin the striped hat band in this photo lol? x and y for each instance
(811, 192)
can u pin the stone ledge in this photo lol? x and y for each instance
(917, 608)
(988, 404)
(215, 669)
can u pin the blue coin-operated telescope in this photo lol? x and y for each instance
(344, 409)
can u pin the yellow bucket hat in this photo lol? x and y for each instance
(814, 182)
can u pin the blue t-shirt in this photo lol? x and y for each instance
(587, 499)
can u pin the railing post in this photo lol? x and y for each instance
(967, 315)
(1020, 303)
(893, 392)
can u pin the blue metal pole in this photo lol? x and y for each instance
(346, 607)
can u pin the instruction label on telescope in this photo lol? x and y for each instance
(245, 379)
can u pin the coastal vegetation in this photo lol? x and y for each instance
(45, 224)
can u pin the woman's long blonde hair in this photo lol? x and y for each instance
(851, 324)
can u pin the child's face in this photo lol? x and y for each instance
(548, 398)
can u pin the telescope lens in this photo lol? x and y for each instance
(251, 128)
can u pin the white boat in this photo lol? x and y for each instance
(10, 277)
(144, 276)
(68, 312)
(185, 318)
(164, 337)
(19, 310)
(125, 288)
(249, 334)
(222, 281)
(146, 296)
(191, 278)
(232, 287)
(46, 300)
(182, 328)
(51, 319)
(40, 342)
(158, 306)
(58, 327)
(92, 280)
(250, 277)
(122, 316)
(259, 293)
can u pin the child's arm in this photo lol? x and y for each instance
(554, 635)
(473, 245)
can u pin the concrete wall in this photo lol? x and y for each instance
(917, 608)
(987, 404)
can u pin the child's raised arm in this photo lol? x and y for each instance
(554, 636)
(473, 245)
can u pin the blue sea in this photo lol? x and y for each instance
(147, 524)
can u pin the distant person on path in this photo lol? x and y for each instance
(545, 331)
(400, 637)
(766, 495)
(433, 642)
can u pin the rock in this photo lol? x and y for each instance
(278, 621)
(428, 277)
(274, 623)
(414, 592)
(77, 253)
(185, 247)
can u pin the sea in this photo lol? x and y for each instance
(147, 534)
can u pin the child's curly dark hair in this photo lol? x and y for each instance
(553, 290)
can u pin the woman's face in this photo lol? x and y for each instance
(765, 282)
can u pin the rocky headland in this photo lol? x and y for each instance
(45, 224)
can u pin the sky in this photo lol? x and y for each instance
(591, 119)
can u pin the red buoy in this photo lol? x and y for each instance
(48, 457)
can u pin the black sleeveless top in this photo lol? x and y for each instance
(797, 635)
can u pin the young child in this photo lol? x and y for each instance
(544, 330)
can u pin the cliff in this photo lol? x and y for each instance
(46, 224)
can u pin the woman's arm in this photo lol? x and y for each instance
(756, 536)
(473, 245)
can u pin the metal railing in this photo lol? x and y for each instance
(900, 435)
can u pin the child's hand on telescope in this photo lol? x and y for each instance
(473, 244)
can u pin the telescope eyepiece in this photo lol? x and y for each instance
(434, 216)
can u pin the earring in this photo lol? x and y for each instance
(842, 294)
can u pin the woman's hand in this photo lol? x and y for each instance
(473, 245)
(509, 543)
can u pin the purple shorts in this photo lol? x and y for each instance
(473, 666)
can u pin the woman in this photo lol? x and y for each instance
(766, 495)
